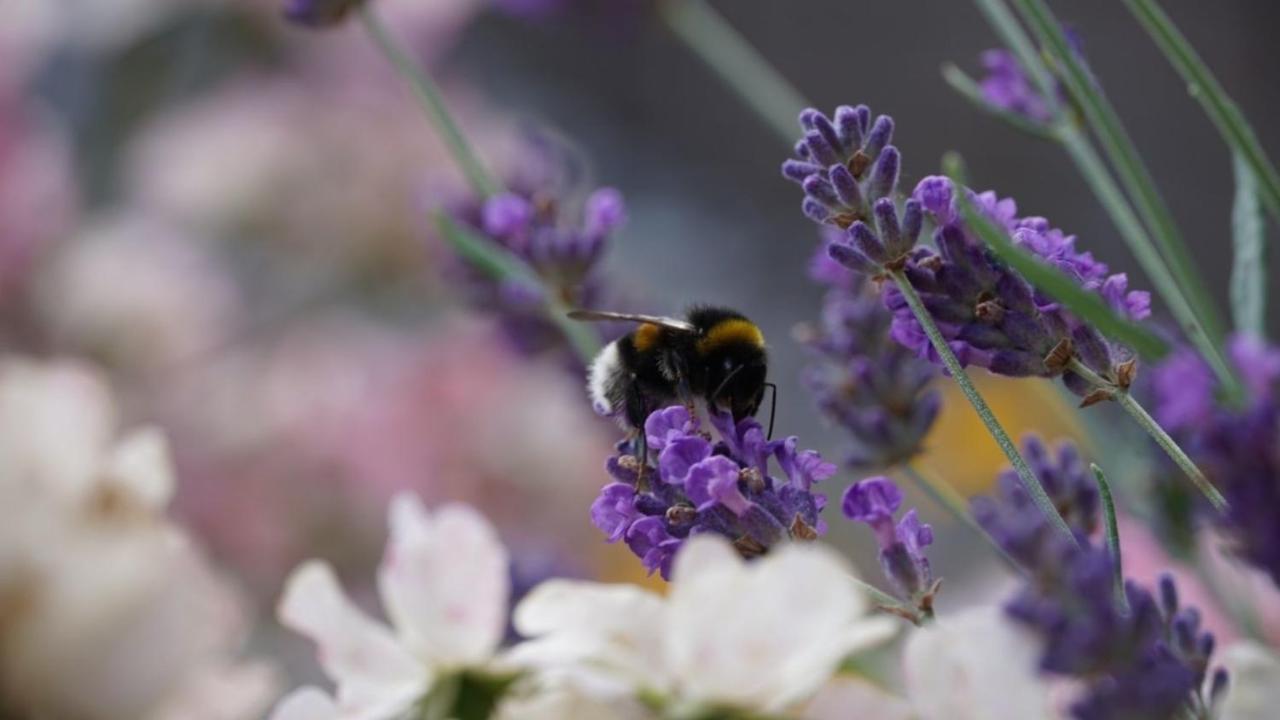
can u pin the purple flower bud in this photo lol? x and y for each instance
(507, 215)
(680, 455)
(851, 257)
(667, 425)
(874, 502)
(649, 539)
(851, 124)
(884, 174)
(867, 243)
(605, 212)
(715, 481)
(880, 136)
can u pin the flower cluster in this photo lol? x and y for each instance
(1148, 660)
(874, 501)
(1236, 447)
(705, 486)
(845, 165)
(868, 385)
(991, 316)
(562, 248)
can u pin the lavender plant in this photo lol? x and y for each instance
(696, 485)
(1137, 658)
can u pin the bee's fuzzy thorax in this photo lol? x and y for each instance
(733, 331)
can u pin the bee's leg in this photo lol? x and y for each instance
(637, 412)
(684, 389)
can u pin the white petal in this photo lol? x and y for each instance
(141, 464)
(593, 631)
(445, 584)
(851, 696)
(763, 635)
(701, 555)
(975, 665)
(308, 703)
(1254, 689)
(58, 420)
(373, 672)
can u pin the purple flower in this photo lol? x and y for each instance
(1007, 86)
(724, 486)
(1147, 663)
(990, 312)
(537, 223)
(1235, 446)
(319, 13)
(874, 501)
(866, 383)
(844, 163)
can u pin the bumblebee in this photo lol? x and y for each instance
(714, 354)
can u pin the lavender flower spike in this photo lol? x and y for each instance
(874, 501)
(1236, 447)
(319, 13)
(1149, 663)
(990, 314)
(870, 386)
(702, 485)
(844, 163)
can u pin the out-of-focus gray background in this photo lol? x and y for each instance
(659, 125)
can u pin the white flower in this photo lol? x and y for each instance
(1253, 690)
(444, 586)
(98, 584)
(760, 636)
(975, 665)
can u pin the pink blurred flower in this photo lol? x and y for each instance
(136, 293)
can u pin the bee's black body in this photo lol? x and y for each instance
(715, 354)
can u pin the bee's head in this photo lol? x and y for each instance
(736, 382)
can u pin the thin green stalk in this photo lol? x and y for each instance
(739, 65)
(1119, 148)
(1028, 478)
(432, 102)
(1146, 422)
(946, 497)
(1113, 536)
(1249, 259)
(500, 265)
(1206, 89)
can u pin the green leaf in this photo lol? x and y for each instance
(501, 265)
(1088, 306)
(1113, 537)
(1206, 89)
(1249, 263)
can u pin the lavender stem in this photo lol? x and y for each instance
(1157, 433)
(1029, 481)
(432, 102)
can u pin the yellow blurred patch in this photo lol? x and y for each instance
(646, 336)
(961, 452)
(615, 563)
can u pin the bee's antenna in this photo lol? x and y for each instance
(773, 406)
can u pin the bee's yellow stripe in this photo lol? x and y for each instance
(646, 336)
(731, 332)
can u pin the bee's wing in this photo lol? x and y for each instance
(603, 315)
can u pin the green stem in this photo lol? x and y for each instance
(1113, 537)
(1206, 89)
(739, 65)
(1119, 148)
(432, 102)
(946, 497)
(1146, 422)
(1028, 478)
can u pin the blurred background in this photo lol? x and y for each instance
(231, 217)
